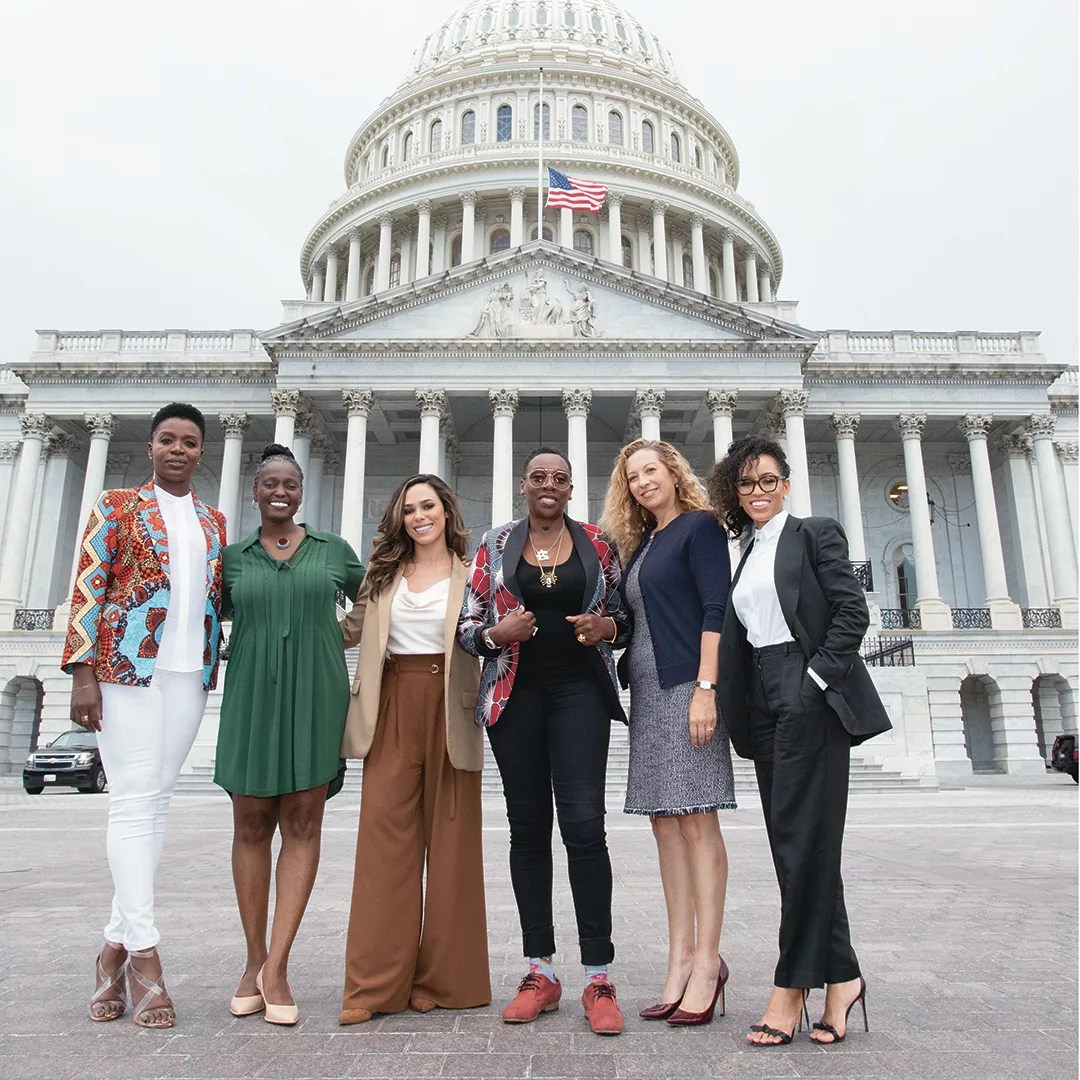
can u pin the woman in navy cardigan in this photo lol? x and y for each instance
(675, 583)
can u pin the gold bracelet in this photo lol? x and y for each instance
(611, 641)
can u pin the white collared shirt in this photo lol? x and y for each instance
(755, 598)
(183, 635)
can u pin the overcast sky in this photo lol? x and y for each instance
(160, 164)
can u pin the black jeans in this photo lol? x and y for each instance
(802, 756)
(553, 738)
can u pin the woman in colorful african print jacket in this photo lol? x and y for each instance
(142, 648)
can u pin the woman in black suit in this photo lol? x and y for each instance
(796, 697)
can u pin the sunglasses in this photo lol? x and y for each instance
(539, 477)
(768, 484)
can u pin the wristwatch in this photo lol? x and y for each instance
(485, 637)
(704, 684)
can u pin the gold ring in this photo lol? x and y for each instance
(581, 638)
(84, 718)
(710, 730)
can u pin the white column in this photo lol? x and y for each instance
(468, 227)
(1068, 454)
(36, 428)
(576, 404)
(792, 407)
(405, 246)
(382, 266)
(235, 426)
(936, 614)
(649, 407)
(697, 246)
(423, 238)
(614, 227)
(721, 405)
(659, 240)
(9, 453)
(517, 216)
(678, 277)
(301, 448)
(287, 405)
(358, 404)
(1018, 451)
(330, 293)
(644, 240)
(1058, 538)
(49, 550)
(750, 270)
(432, 405)
(730, 286)
(313, 480)
(504, 404)
(352, 274)
(318, 284)
(1004, 614)
(765, 285)
(566, 227)
(438, 244)
(844, 426)
(444, 438)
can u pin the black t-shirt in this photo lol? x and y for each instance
(554, 649)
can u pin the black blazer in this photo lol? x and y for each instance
(825, 609)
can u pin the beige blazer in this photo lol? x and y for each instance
(368, 623)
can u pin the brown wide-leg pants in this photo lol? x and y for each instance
(403, 942)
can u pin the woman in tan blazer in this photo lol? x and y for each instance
(411, 720)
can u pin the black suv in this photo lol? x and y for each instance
(1064, 756)
(70, 760)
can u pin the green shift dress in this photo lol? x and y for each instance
(286, 684)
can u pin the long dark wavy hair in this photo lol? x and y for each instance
(720, 483)
(393, 547)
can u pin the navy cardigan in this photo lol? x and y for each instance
(684, 585)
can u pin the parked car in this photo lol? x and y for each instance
(1064, 756)
(70, 760)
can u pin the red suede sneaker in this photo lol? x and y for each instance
(602, 1008)
(536, 993)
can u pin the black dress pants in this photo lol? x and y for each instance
(553, 738)
(802, 757)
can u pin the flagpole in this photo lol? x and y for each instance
(540, 163)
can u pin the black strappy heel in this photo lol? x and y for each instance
(836, 1036)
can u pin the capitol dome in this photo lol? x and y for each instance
(445, 171)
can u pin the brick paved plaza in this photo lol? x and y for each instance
(963, 905)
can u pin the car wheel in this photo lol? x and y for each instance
(34, 790)
(98, 783)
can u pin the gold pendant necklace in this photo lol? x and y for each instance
(548, 577)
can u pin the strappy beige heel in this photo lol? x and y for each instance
(144, 1013)
(102, 1008)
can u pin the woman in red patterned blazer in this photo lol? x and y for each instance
(543, 610)
(142, 649)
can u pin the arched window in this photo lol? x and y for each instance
(369, 281)
(627, 253)
(462, 29)
(406, 146)
(597, 21)
(548, 234)
(647, 136)
(614, 128)
(435, 136)
(468, 128)
(500, 241)
(642, 42)
(395, 269)
(513, 15)
(579, 123)
(487, 22)
(540, 16)
(583, 241)
(504, 124)
(697, 157)
(455, 251)
(569, 17)
(620, 30)
(547, 121)
(676, 147)
(688, 271)
(385, 159)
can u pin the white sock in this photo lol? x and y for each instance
(595, 973)
(543, 966)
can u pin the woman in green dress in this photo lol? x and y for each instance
(282, 718)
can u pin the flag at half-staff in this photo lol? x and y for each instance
(571, 192)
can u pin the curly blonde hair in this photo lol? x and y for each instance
(624, 519)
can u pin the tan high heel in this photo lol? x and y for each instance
(246, 1005)
(151, 988)
(103, 1009)
(286, 1015)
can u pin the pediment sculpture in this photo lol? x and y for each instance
(539, 314)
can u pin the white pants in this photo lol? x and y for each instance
(146, 733)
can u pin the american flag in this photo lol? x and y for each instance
(577, 194)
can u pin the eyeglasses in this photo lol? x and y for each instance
(745, 485)
(539, 477)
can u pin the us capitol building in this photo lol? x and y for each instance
(436, 330)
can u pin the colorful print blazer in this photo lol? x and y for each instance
(493, 592)
(121, 594)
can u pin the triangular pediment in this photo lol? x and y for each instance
(538, 293)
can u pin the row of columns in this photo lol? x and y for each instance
(651, 234)
(295, 426)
